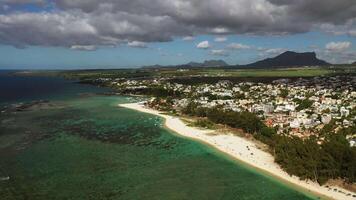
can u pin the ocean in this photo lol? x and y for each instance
(81, 145)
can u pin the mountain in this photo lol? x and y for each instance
(207, 63)
(289, 59)
(215, 63)
(284, 60)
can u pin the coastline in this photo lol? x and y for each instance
(245, 151)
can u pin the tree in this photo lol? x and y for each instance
(304, 104)
(268, 132)
(284, 93)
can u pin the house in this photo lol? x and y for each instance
(344, 112)
(326, 118)
(295, 123)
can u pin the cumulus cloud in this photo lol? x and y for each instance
(238, 46)
(137, 44)
(111, 22)
(348, 28)
(78, 28)
(220, 39)
(59, 29)
(327, 11)
(338, 46)
(337, 57)
(203, 45)
(219, 52)
(348, 57)
(352, 33)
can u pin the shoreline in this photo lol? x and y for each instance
(246, 152)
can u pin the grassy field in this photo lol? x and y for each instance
(202, 72)
(270, 73)
(288, 72)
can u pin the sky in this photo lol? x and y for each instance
(78, 34)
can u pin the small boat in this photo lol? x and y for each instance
(5, 178)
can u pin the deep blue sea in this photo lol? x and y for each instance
(15, 89)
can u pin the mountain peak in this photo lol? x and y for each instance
(293, 53)
(290, 59)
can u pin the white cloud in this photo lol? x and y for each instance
(188, 38)
(338, 46)
(219, 52)
(137, 44)
(204, 45)
(275, 51)
(112, 22)
(268, 52)
(347, 28)
(220, 39)
(238, 46)
(220, 30)
(352, 33)
(83, 47)
(338, 57)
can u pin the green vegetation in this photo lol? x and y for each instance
(247, 121)
(303, 104)
(290, 72)
(301, 72)
(309, 160)
(90, 75)
(303, 158)
(284, 93)
(204, 123)
(115, 74)
(328, 128)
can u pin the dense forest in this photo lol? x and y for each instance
(307, 159)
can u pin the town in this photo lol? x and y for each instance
(304, 118)
(301, 107)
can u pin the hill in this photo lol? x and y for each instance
(207, 63)
(289, 59)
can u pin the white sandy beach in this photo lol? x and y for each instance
(245, 151)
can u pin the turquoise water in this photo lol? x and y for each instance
(86, 147)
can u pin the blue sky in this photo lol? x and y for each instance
(35, 34)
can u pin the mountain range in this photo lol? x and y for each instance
(207, 63)
(284, 60)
